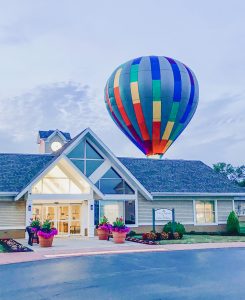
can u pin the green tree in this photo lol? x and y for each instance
(233, 223)
(235, 174)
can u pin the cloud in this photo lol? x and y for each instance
(216, 132)
(67, 106)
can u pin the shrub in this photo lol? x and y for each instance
(131, 233)
(233, 223)
(178, 228)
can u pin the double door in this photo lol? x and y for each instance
(66, 218)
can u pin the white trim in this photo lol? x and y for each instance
(83, 176)
(162, 224)
(215, 214)
(55, 197)
(45, 171)
(119, 197)
(115, 160)
(53, 134)
(100, 171)
(2, 194)
(12, 227)
(195, 194)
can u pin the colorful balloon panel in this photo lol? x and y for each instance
(152, 99)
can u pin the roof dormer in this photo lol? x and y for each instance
(52, 140)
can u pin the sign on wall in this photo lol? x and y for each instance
(163, 214)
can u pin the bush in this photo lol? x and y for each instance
(178, 228)
(233, 223)
(131, 233)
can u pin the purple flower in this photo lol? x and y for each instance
(47, 235)
(106, 227)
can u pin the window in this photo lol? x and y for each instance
(86, 158)
(112, 183)
(129, 212)
(240, 207)
(57, 182)
(116, 209)
(205, 212)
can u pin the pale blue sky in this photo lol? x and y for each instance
(55, 58)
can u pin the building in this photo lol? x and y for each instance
(75, 181)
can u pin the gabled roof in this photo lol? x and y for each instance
(153, 176)
(178, 176)
(17, 170)
(46, 134)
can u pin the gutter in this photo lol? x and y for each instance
(8, 193)
(154, 194)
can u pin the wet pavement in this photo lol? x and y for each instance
(194, 274)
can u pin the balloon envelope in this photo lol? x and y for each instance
(152, 99)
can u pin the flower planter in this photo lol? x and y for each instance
(119, 237)
(103, 234)
(43, 242)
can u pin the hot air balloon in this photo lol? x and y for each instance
(152, 99)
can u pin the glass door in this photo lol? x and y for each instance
(50, 213)
(75, 224)
(63, 220)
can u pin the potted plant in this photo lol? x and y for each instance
(119, 231)
(103, 229)
(46, 234)
(35, 225)
(32, 230)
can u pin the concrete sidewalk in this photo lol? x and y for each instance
(68, 247)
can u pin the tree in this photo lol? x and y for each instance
(233, 223)
(235, 174)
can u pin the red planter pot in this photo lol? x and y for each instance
(45, 242)
(103, 234)
(119, 237)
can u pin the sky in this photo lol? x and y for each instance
(56, 56)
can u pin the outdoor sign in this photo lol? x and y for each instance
(163, 214)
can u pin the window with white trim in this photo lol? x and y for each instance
(86, 158)
(239, 207)
(112, 183)
(205, 212)
(115, 209)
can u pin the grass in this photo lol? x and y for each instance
(193, 239)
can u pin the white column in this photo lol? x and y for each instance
(91, 218)
(28, 212)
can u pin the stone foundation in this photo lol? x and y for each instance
(12, 234)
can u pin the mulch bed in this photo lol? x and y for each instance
(11, 245)
(146, 242)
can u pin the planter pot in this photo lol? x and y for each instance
(103, 234)
(119, 237)
(45, 242)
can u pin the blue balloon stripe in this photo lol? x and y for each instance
(177, 80)
(155, 68)
(191, 98)
(136, 61)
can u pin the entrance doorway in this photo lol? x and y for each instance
(66, 218)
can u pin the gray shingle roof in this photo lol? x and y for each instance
(45, 134)
(17, 170)
(180, 176)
